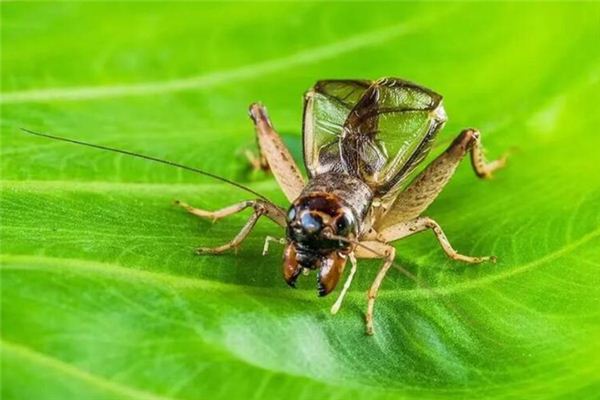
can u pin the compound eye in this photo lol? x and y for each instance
(344, 224)
(291, 214)
(310, 223)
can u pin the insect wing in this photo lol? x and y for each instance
(389, 131)
(326, 108)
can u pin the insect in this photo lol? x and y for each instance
(362, 139)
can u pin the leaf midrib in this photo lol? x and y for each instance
(408, 294)
(53, 363)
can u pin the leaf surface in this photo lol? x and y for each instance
(102, 296)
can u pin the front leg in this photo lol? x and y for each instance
(274, 213)
(259, 207)
(276, 155)
(215, 215)
(404, 229)
(236, 241)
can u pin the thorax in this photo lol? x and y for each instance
(352, 191)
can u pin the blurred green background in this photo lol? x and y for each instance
(102, 296)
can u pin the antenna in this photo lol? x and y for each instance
(145, 157)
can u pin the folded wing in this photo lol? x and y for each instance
(389, 132)
(326, 108)
(378, 130)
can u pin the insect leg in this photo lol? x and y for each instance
(277, 156)
(268, 241)
(388, 253)
(257, 162)
(423, 190)
(271, 211)
(215, 215)
(404, 229)
(482, 168)
(260, 208)
(236, 241)
(338, 303)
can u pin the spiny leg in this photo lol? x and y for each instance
(482, 168)
(404, 229)
(275, 153)
(236, 241)
(374, 249)
(423, 190)
(338, 303)
(270, 210)
(262, 123)
(259, 207)
(216, 215)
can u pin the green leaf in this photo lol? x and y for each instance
(102, 296)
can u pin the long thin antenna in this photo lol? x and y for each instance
(145, 157)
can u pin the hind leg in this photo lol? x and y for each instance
(424, 189)
(275, 154)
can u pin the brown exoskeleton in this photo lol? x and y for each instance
(362, 139)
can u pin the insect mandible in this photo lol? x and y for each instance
(362, 139)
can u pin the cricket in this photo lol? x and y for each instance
(362, 141)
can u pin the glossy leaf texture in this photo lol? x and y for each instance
(102, 296)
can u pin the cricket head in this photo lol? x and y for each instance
(312, 222)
